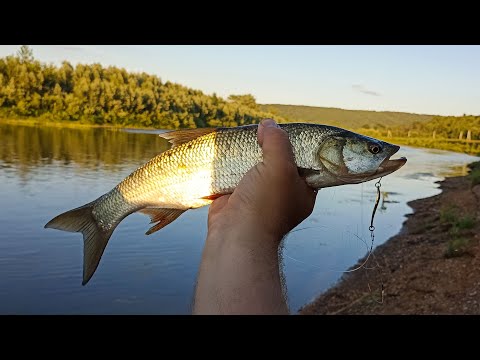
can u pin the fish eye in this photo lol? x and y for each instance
(374, 148)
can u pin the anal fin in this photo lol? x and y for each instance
(161, 216)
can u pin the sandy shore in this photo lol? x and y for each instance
(431, 267)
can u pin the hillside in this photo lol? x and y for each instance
(351, 119)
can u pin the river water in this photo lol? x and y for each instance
(47, 170)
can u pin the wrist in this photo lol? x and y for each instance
(250, 236)
(239, 272)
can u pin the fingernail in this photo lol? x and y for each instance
(269, 123)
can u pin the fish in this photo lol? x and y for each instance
(205, 163)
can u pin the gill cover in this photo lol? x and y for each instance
(363, 155)
(331, 154)
(350, 156)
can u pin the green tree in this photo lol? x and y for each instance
(25, 54)
(246, 100)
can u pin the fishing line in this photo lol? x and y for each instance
(371, 228)
(372, 235)
(377, 185)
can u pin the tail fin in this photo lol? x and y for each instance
(95, 239)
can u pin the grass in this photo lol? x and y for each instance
(475, 176)
(457, 247)
(465, 222)
(449, 214)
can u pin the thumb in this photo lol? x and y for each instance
(274, 142)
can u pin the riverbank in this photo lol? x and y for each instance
(431, 267)
(39, 122)
(66, 124)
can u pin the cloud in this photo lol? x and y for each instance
(362, 89)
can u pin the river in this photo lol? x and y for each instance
(47, 170)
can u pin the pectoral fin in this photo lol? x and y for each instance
(212, 197)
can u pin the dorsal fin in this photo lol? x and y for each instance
(178, 137)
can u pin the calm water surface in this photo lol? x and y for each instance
(45, 171)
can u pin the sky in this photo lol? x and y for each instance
(438, 80)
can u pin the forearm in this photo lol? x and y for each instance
(239, 274)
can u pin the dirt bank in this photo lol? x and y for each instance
(431, 267)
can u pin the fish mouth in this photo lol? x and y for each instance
(388, 166)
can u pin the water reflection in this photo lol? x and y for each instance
(47, 170)
(29, 147)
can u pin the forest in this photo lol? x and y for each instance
(94, 94)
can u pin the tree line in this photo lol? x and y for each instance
(113, 96)
(466, 127)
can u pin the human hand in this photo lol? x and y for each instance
(272, 197)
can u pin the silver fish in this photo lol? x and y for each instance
(206, 163)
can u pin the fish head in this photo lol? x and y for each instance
(353, 158)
